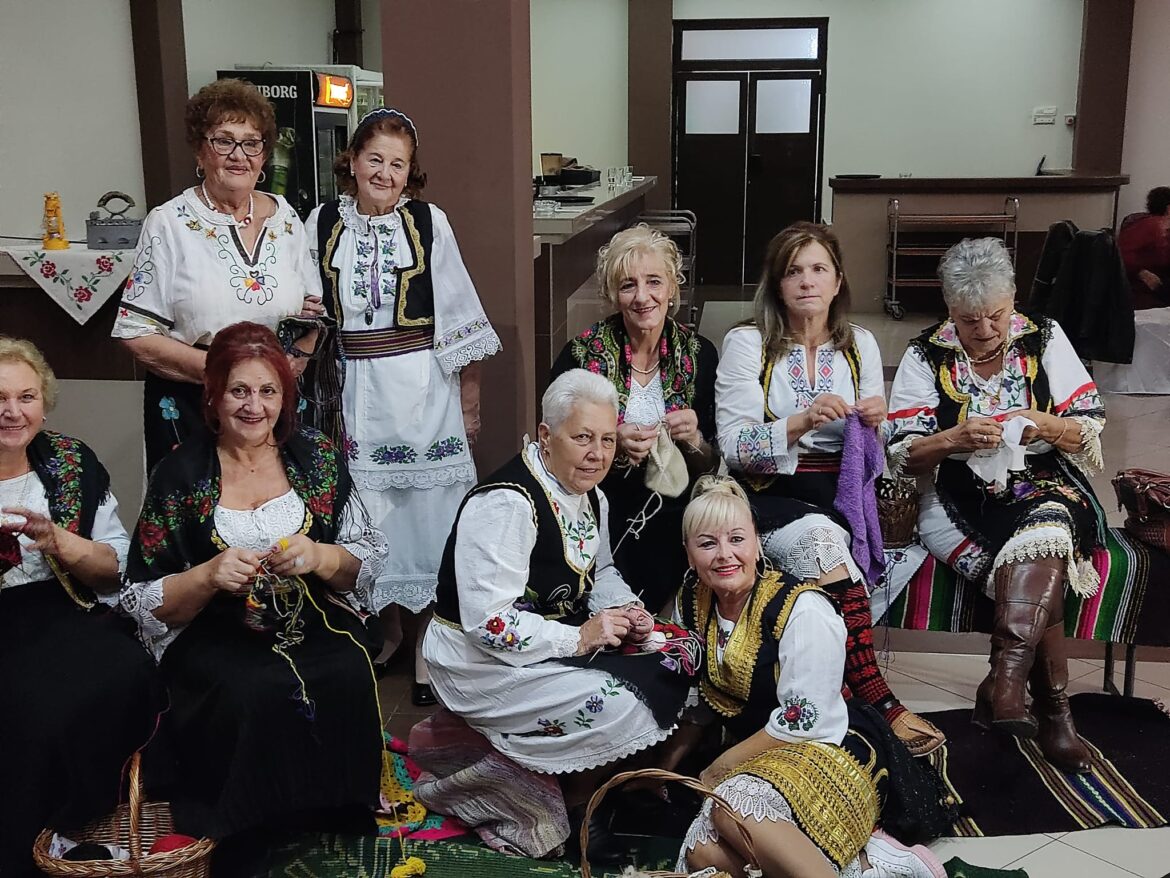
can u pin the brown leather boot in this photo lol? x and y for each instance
(1026, 595)
(1048, 682)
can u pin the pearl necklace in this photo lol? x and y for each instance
(246, 221)
(653, 368)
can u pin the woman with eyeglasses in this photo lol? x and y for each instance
(397, 381)
(217, 253)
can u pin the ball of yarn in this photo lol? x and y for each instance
(172, 842)
(412, 866)
(88, 851)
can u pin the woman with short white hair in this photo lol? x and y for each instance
(957, 394)
(534, 628)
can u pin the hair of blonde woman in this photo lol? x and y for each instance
(571, 389)
(977, 273)
(716, 501)
(770, 314)
(615, 260)
(19, 350)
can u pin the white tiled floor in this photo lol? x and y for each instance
(1138, 434)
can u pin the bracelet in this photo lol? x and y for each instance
(1056, 441)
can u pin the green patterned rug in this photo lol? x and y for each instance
(360, 857)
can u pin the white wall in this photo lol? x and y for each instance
(68, 111)
(937, 88)
(223, 33)
(579, 80)
(1147, 123)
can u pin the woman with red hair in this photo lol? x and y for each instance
(250, 562)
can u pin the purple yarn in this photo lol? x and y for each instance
(862, 461)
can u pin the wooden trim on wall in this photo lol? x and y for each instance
(648, 123)
(160, 71)
(1106, 34)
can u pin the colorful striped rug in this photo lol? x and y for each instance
(1132, 605)
(1004, 786)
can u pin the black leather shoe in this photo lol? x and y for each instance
(605, 849)
(422, 695)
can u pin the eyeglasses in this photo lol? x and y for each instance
(227, 145)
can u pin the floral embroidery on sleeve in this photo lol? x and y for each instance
(502, 632)
(797, 714)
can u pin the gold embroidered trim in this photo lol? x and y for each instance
(727, 685)
(833, 796)
(581, 573)
(445, 622)
(406, 275)
(327, 264)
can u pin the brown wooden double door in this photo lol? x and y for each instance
(747, 162)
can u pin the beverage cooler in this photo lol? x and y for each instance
(317, 109)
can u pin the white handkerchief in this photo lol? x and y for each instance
(993, 466)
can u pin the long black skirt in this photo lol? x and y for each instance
(77, 699)
(258, 740)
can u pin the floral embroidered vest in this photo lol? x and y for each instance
(556, 588)
(742, 689)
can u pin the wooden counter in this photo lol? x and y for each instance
(569, 243)
(860, 219)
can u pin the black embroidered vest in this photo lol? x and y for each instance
(742, 690)
(556, 588)
(414, 305)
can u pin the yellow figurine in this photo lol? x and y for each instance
(54, 238)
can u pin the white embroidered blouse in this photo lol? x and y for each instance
(192, 275)
(28, 491)
(753, 442)
(259, 529)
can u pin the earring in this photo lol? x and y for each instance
(199, 172)
(263, 176)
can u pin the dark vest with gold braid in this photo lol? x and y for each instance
(556, 589)
(414, 314)
(742, 690)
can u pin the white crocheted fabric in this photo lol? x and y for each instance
(645, 405)
(752, 798)
(810, 547)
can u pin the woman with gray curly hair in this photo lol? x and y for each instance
(664, 376)
(985, 378)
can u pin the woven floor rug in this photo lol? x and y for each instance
(1005, 786)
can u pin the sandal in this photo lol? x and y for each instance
(920, 736)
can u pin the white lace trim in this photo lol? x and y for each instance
(372, 550)
(259, 529)
(414, 594)
(1088, 460)
(809, 550)
(566, 644)
(755, 799)
(898, 455)
(560, 765)
(454, 359)
(645, 405)
(1050, 541)
(360, 223)
(442, 477)
(140, 600)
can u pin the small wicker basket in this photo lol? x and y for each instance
(897, 501)
(135, 826)
(690, 782)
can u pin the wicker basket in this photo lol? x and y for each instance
(659, 774)
(135, 826)
(897, 501)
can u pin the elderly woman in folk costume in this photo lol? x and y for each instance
(537, 641)
(398, 384)
(247, 574)
(811, 773)
(215, 254)
(964, 389)
(664, 373)
(75, 687)
(787, 383)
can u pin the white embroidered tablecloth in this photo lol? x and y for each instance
(80, 280)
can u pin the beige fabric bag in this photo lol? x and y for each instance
(666, 469)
